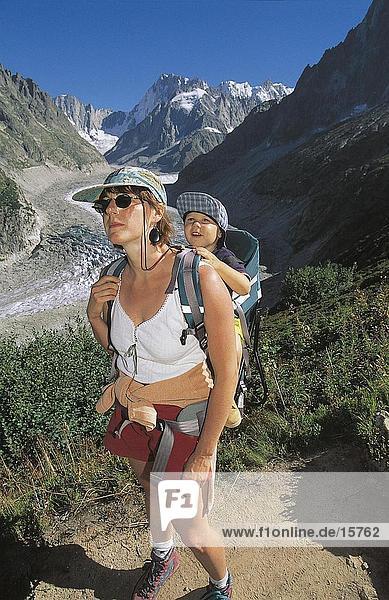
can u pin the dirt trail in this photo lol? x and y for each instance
(99, 554)
(102, 560)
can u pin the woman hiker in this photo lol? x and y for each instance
(205, 225)
(157, 376)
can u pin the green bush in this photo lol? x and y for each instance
(326, 365)
(313, 284)
(49, 387)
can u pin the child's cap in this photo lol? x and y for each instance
(203, 203)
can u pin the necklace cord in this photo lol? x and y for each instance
(143, 246)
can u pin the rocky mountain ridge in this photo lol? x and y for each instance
(177, 119)
(34, 131)
(87, 121)
(195, 119)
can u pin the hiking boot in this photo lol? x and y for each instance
(214, 593)
(234, 418)
(156, 572)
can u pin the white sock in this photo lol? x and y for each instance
(162, 549)
(220, 583)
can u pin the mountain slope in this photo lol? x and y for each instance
(349, 78)
(18, 219)
(33, 130)
(321, 200)
(87, 120)
(308, 176)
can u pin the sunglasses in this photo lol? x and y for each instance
(121, 201)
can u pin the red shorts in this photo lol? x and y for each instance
(136, 442)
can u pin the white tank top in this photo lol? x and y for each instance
(152, 351)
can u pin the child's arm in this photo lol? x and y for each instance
(237, 281)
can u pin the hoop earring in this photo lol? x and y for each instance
(154, 236)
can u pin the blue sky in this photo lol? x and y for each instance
(108, 52)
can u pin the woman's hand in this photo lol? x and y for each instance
(105, 289)
(209, 257)
(198, 467)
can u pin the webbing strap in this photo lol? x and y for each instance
(246, 335)
(246, 359)
(189, 259)
(191, 427)
(243, 323)
(122, 426)
(115, 268)
(191, 301)
(177, 262)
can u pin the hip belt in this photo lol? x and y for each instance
(189, 421)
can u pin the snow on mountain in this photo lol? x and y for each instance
(213, 129)
(165, 89)
(237, 90)
(99, 139)
(186, 100)
(267, 91)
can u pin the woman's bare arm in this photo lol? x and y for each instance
(102, 291)
(219, 323)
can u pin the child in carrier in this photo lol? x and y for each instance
(205, 224)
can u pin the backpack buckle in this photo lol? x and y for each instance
(160, 425)
(183, 337)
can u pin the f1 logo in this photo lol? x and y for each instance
(177, 499)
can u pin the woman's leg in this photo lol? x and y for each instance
(197, 534)
(142, 471)
(213, 559)
(163, 563)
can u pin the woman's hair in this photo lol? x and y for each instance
(164, 226)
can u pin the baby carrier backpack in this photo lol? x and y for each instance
(246, 247)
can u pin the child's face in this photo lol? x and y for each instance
(201, 230)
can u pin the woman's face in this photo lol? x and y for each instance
(201, 230)
(123, 225)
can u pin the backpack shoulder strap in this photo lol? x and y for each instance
(114, 268)
(191, 298)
